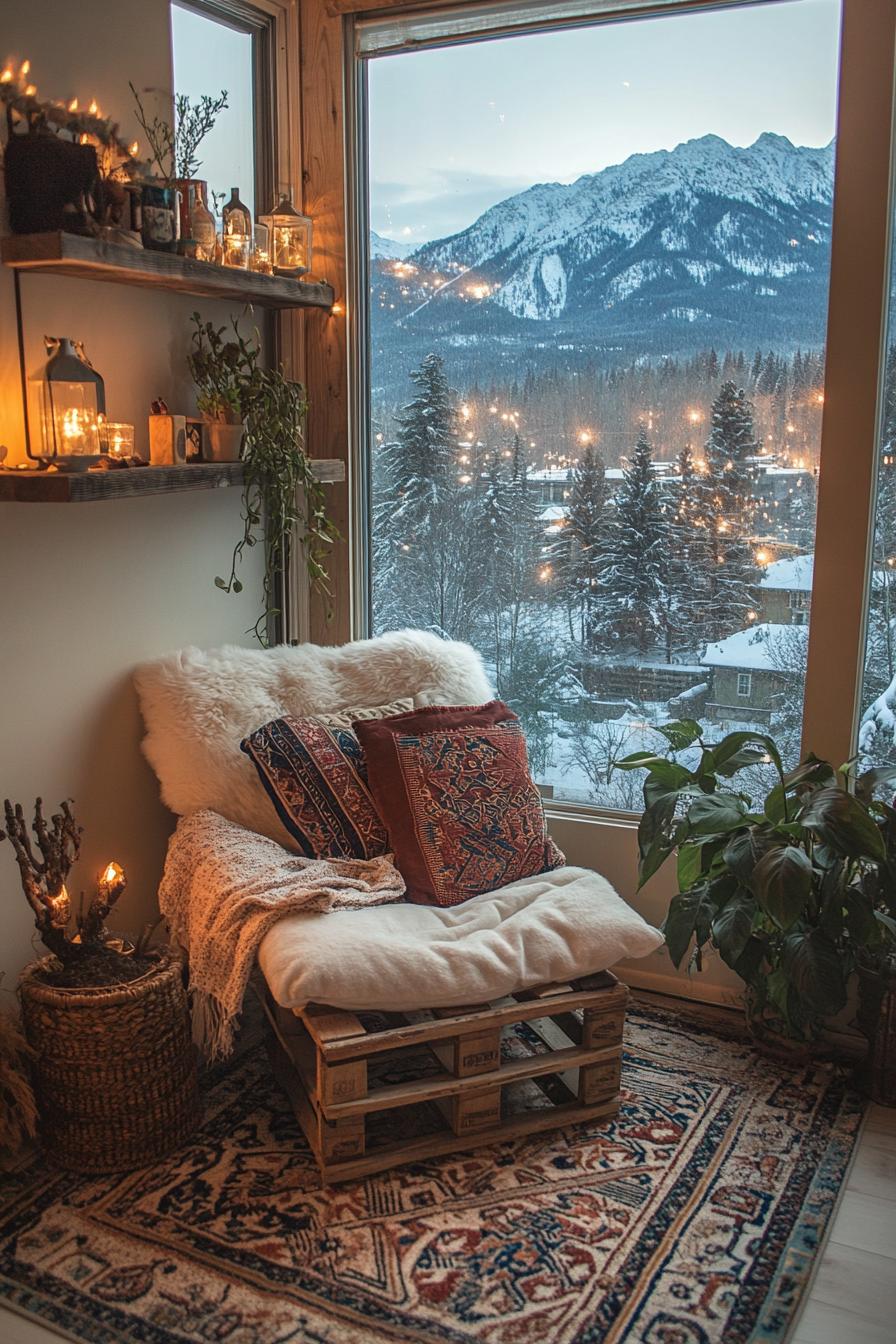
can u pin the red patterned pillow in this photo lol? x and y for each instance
(453, 788)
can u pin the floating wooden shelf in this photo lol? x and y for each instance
(59, 487)
(91, 259)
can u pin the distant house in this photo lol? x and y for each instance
(746, 670)
(786, 591)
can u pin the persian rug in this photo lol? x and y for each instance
(693, 1218)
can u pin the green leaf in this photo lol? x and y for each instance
(843, 823)
(680, 733)
(657, 838)
(782, 881)
(686, 911)
(776, 804)
(716, 813)
(734, 742)
(864, 929)
(733, 927)
(810, 771)
(748, 755)
(667, 779)
(815, 969)
(219, 583)
(690, 865)
(749, 963)
(745, 848)
(237, 586)
(641, 760)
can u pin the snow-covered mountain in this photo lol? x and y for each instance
(705, 244)
(386, 249)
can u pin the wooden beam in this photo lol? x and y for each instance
(326, 363)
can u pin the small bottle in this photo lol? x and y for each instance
(202, 224)
(237, 225)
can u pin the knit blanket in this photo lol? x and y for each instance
(224, 887)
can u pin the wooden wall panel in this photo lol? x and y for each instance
(326, 366)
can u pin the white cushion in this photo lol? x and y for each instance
(553, 927)
(198, 706)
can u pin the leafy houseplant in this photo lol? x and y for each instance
(795, 893)
(281, 495)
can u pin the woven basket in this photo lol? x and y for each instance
(115, 1075)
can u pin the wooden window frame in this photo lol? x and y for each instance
(860, 266)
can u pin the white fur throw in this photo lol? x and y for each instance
(552, 927)
(198, 706)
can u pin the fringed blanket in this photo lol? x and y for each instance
(222, 889)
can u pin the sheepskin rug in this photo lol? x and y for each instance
(198, 705)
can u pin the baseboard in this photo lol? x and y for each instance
(675, 987)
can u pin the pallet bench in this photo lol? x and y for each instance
(463, 1077)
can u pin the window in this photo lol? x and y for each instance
(597, 312)
(877, 730)
(210, 54)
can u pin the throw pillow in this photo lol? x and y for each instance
(314, 772)
(453, 787)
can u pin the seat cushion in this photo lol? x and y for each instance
(452, 785)
(553, 927)
(314, 772)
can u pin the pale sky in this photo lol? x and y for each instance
(454, 130)
(210, 56)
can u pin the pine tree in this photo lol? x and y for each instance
(732, 573)
(634, 556)
(423, 516)
(577, 553)
(691, 554)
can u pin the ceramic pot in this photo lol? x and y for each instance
(160, 217)
(223, 442)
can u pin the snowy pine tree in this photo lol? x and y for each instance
(634, 556)
(423, 516)
(577, 552)
(732, 575)
(691, 554)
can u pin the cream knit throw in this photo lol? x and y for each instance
(222, 889)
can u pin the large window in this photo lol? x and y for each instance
(212, 53)
(598, 265)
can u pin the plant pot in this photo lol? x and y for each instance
(48, 180)
(223, 443)
(877, 1021)
(160, 217)
(115, 1068)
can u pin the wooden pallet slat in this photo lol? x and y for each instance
(322, 1055)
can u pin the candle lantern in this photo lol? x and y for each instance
(290, 238)
(72, 400)
(117, 439)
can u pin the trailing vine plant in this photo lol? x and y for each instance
(282, 497)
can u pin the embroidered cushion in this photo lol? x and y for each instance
(313, 770)
(453, 787)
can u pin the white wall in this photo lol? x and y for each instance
(89, 590)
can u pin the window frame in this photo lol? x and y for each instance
(745, 679)
(860, 262)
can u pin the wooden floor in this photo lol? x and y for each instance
(853, 1297)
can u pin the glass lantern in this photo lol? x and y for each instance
(72, 399)
(290, 238)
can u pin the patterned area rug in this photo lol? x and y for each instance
(691, 1219)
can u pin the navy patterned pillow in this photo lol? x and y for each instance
(314, 772)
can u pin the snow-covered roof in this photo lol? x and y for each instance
(549, 474)
(793, 573)
(753, 649)
(552, 513)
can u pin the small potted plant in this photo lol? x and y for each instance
(796, 891)
(108, 1025)
(222, 369)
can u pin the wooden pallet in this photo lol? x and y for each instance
(345, 1073)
